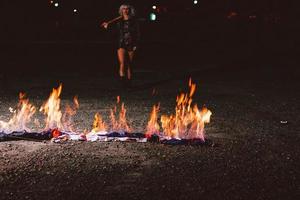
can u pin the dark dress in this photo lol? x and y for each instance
(128, 34)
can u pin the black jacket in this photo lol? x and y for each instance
(134, 31)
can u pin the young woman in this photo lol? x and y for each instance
(128, 37)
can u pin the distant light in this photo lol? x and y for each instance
(56, 4)
(232, 14)
(195, 2)
(154, 7)
(75, 10)
(152, 16)
(51, 2)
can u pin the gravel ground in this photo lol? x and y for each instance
(256, 156)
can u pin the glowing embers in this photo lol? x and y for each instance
(188, 122)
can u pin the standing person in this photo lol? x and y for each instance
(128, 37)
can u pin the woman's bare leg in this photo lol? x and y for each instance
(130, 55)
(121, 57)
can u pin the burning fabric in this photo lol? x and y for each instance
(185, 126)
(187, 122)
(101, 136)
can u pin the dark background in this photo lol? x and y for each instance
(36, 37)
(241, 54)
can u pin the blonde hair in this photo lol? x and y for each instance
(131, 10)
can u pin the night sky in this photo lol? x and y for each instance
(34, 20)
(182, 29)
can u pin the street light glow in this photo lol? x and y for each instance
(152, 16)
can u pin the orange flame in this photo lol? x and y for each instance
(119, 124)
(52, 110)
(153, 127)
(98, 124)
(21, 117)
(69, 113)
(187, 122)
(55, 119)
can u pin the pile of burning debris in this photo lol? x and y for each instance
(185, 126)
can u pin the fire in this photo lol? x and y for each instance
(98, 124)
(55, 119)
(67, 118)
(153, 127)
(117, 119)
(188, 121)
(21, 117)
(119, 124)
(52, 110)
